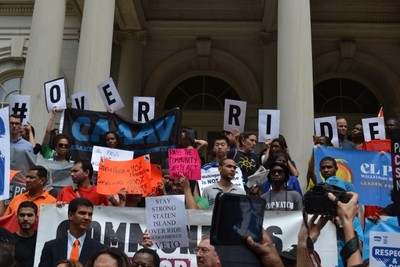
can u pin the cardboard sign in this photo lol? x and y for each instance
(374, 128)
(109, 93)
(100, 153)
(234, 115)
(166, 221)
(80, 100)
(133, 175)
(54, 92)
(143, 109)
(268, 124)
(20, 105)
(327, 126)
(184, 161)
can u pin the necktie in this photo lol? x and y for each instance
(75, 251)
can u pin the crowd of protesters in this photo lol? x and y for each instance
(231, 153)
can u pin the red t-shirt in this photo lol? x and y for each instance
(67, 194)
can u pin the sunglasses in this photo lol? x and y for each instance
(277, 171)
(63, 145)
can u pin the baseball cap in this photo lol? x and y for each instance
(336, 181)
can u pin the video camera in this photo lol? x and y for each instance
(316, 199)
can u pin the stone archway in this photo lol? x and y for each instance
(364, 68)
(188, 63)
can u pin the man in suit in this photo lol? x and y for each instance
(76, 244)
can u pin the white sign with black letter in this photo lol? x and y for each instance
(54, 92)
(327, 126)
(234, 115)
(166, 221)
(80, 100)
(109, 94)
(143, 108)
(268, 124)
(20, 105)
(373, 128)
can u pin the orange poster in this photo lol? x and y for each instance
(133, 175)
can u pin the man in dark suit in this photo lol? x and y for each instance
(76, 244)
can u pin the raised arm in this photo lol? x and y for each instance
(46, 137)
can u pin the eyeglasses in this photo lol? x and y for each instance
(60, 145)
(277, 172)
(201, 250)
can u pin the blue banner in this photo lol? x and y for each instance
(370, 172)
(154, 137)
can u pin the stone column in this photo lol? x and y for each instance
(43, 59)
(268, 41)
(295, 80)
(95, 47)
(130, 67)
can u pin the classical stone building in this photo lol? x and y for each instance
(306, 58)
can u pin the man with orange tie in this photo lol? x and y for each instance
(76, 244)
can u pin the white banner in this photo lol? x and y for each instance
(123, 228)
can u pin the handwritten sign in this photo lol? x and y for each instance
(99, 153)
(184, 161)
(133, 175)
(166, 221)
(211, 176)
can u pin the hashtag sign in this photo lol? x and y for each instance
(21, 111)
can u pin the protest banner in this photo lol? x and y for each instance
(184, 161)
(4, 154)
(133, 175)
(211, 175)
(381, 240)
(154, 137)
(123, 228)
(166, 221)
(370, 172)
(100, 152)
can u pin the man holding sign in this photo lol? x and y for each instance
(81, 174)
(227, 168)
